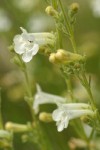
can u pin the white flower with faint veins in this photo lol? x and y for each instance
(24, 45)
(46, 98)
(28, 44)
(66, 112)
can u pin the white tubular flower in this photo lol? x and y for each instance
(67, 112)
(27, 44)
(24, 45)
(45, 98)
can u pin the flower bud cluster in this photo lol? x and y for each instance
(70, 63)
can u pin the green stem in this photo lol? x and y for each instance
(69, 28)
(77, 125)
(1, 121)
(82, 78)
(42, 143)
(88, 89)
(59, 39)
(86, 84)
(72, 39)
(69, 86)
(64, 14)
(34, 118)
(54, 4)
(28, 87)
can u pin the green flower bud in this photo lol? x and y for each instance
(52, 58)
(72, 12)
(51, 11)
(65, 57)
(45, 117)
(17, 127)
(74, 7)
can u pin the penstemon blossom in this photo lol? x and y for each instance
(45, 98)
(65, 112)
(27, 44)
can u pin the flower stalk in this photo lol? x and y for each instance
(68, 28)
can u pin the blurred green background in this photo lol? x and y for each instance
(31, 15)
